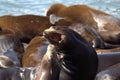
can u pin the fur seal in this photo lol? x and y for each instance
(105, 24)
(87, 32)
(103, 51)
(108, 59)
(78, 58)
(19, 73)
(111, 73)
(25, 27)
(34, 52)
(45, 72)
(11, 49)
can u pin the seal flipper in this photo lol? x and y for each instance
(98, 41)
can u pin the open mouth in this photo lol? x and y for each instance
(54, 37)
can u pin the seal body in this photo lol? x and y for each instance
(45, 72)
(19, 73)
(35, 51)
(25, 27)
(105, 24)
(111, 73)
(79, 59)
(11, 50)
(108, 59)
(103, 51)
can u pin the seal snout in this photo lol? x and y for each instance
(52, 35)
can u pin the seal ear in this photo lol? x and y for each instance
(54, 18)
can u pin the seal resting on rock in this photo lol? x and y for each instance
(111, 73)
(108, 59)
(35, 51)
(47, 69)
(11, 49)
(78, 59)
(103, 51)
(87, 32)
(105, 24)
(18, 73)
(25, 27)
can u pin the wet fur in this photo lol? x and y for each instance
(25, 27)
(11, 47)
(111, 73)
(76, 50)
(34, 52)
(105, 24)
(108, 59)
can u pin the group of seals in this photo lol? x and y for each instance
(105, 28)
(68, 55)
(106, 25)
(25, 27)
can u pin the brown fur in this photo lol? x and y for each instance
(25, 27)
(34, 52)
(87, 32)
(49, 68)
(44, 72)
(88, 16)
(76, 13)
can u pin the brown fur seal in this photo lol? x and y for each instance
(79, 59)
(34, 52)
(105, 24)
(45, 72)
(25, 27)
(87, 32)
